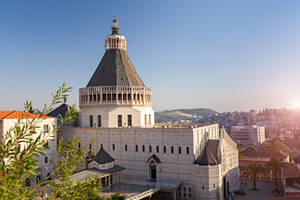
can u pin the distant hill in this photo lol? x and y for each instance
(178, 115)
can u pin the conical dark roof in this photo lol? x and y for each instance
(115, 69)
(102, 157)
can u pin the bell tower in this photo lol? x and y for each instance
(115, 96)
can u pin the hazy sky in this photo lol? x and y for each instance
(225, 55)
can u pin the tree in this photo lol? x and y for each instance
(275, 166)
(253, 170)
(19, 149)
(241, 156)
(275, 145)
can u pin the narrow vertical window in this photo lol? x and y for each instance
(165, 149)
(172, 149)
(79, 145)
(113, 147)
(136, 148)
(179, 149)
(129, 120)
(99, 121)
(150, 148)
(145, 120)
(157, 149)
(125, 147)
(119, 120)
(91, 120)
(187, 150)
(90, 145)
(46, 128)
(46, 159)
(143, 148)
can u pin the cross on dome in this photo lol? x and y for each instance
(115, 27)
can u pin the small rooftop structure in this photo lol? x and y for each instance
(102, 157)
(211, 154)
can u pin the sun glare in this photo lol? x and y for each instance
(296, 105)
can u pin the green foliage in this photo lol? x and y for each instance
(275, 166)
(21, 145)
(118, 196)
(241, 156)
(253, 170)
(275, 145)
(218, 193)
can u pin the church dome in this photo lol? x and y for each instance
(115, 67)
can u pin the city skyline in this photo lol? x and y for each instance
(223, 56)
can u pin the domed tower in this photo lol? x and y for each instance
(115, 96)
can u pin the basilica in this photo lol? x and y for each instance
(137, 157)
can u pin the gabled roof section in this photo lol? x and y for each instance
(211, 153)
(19, 114)
(155, 158)
(102, 157)
(115, 69)
(60, 110)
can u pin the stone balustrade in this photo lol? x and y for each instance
(115, 95)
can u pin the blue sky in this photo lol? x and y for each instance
(225, 55)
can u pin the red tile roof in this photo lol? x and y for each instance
(253, 152)
(292, 143)
(291, 170)
(248, 162)
(19, 114)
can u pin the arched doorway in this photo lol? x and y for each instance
(152, 170)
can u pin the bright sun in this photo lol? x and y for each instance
(296, 104)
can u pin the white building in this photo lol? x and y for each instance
(248, 135)
(45, 124)
(185, 161)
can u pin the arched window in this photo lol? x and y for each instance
(157, 149)
(172, 149)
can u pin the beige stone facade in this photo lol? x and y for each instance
(116, 114)
(176, 147)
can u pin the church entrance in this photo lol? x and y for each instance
(153, 173)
